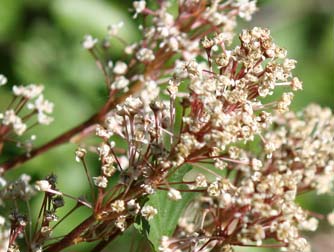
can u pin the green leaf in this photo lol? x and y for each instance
(81, 17)
(10, 15)
(142, 225)
(169, 211)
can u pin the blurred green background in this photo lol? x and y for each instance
(40, 43)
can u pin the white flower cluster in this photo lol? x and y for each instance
(219, 92)
(226, 106)
(308, 137)
(32, 98)
(261, 205)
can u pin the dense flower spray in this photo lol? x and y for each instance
(184, 108)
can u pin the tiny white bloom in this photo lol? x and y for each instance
(124, 162)
(330, 218)
(121, 222)
(3, 80)
(31, 91)
(174, 194)
(118, 206)
(114, 28)
(120, 68)
(2, 220)
(42, 185)
(148, 212)
(80, 153)
(100, 181)
(139, 7)
(89, 42)
(120, 83)
(145, 55)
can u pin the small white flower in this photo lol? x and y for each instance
(174, 194)
(330, 218)
(120, 68)
(19, 128)
(164, 244)
(31, 91)
(114, 28)
(89, 42)
(42, 185)
(256, 164)
(100, 181)
(148, 189)
(246, 9)
(145, 55)
(2, 220)
(133, 207)
(124, 162)
(296, 84)
(201, 181)
(80, 153)
(102, 132)
(118, 206)
(139, 7)
(108, 170)
(3, 182)
(3, 80)
(103, 150)
(148, 212)
(44, 119)
(130, 48)
(310, 225)
(120, 83)
(121, 222)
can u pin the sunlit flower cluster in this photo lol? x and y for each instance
(182, 115)
(27, 102)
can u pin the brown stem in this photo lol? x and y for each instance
(65, 137)
(69, 239)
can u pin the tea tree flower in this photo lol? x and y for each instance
(3, 80)
(247, 8)
(148, 212)
(120, 68)
(174, 194)
(132, 207)
(201, 181)
(108, 170)
(89, 42)
(31, 91)
(42, 185)
(330, 218)
(100, 181)
(121, 222)
(145, 55)
(139, 6)
(185, 103)
(114, 28)
(80, 153)
(118, 206)
(17, 120)
(120, 83)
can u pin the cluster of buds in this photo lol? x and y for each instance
(225, 95)
(27, 103)
(166, 37)
(260, 204)
(222, 108)
(189, 104)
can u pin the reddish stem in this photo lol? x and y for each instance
(65, 137)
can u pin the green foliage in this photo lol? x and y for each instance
(169, 211)
(10, 15)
